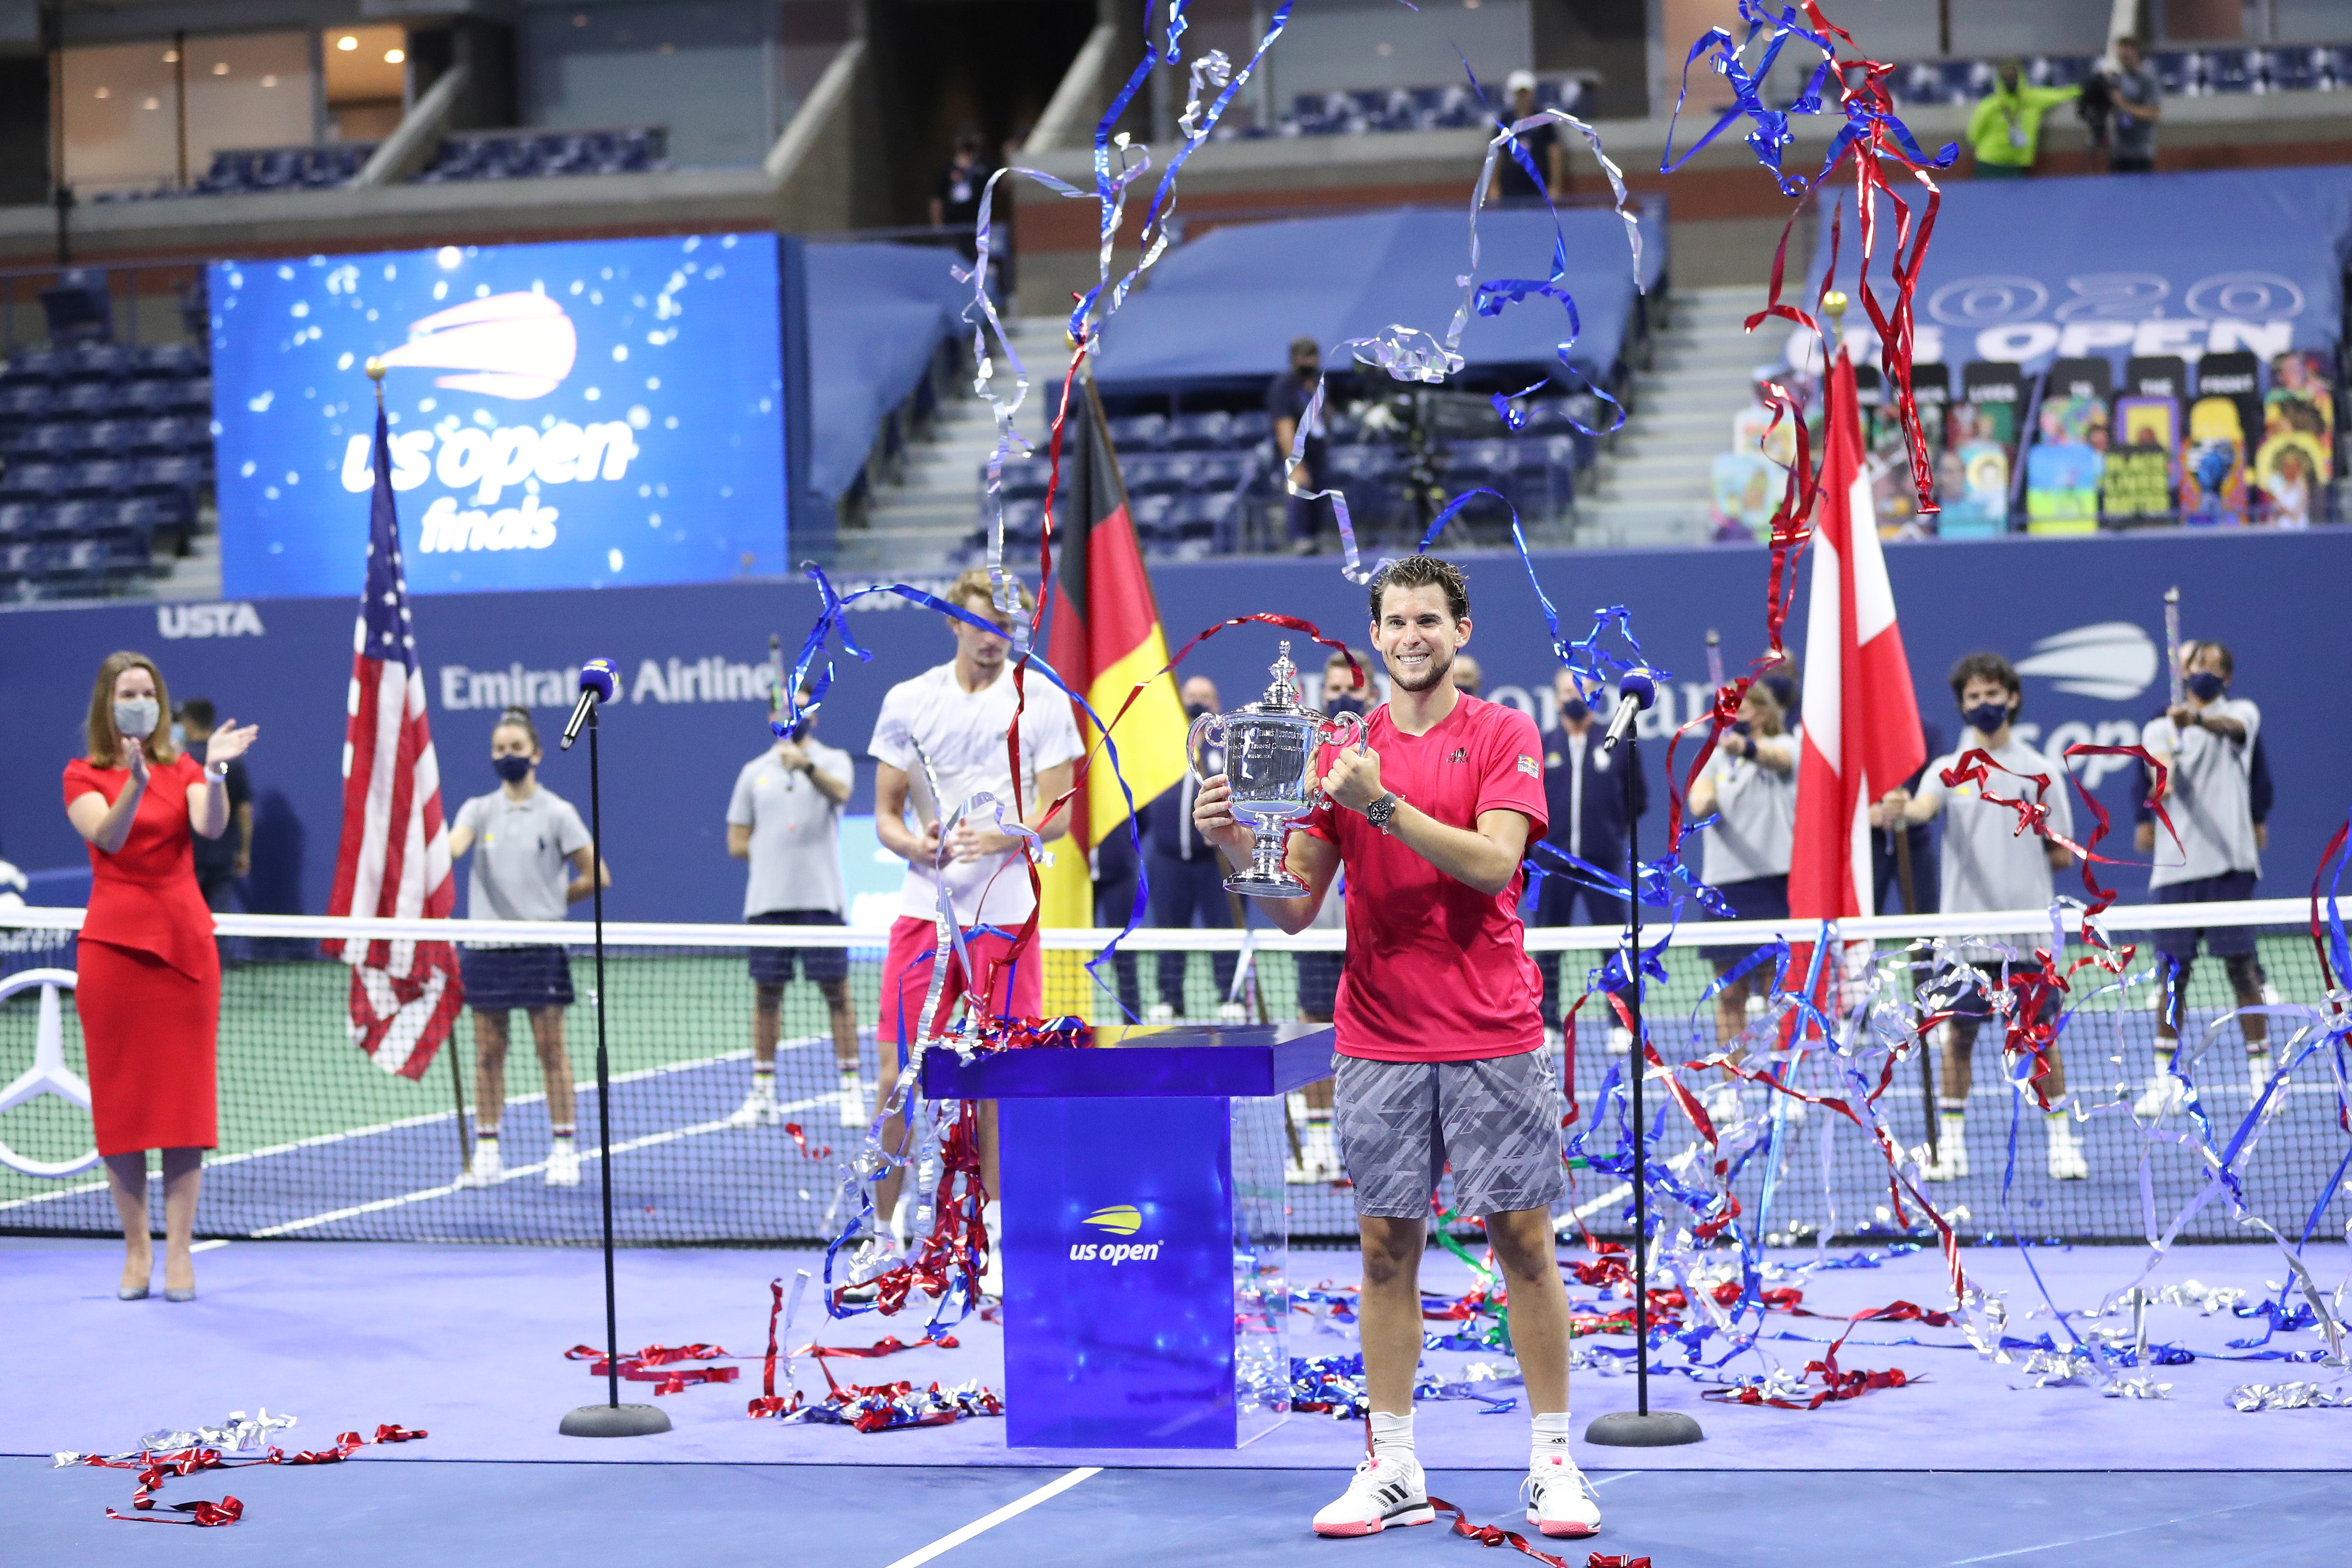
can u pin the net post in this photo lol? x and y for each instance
(458, 1088)
(1901, 833)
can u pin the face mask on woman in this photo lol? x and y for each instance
(135, 717)
(512, 768)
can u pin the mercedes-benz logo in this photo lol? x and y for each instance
(49, 1074)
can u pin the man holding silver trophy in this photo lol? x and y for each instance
(1429, 802)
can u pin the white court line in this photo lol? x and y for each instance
(2108, 1535)
(213, 1245)
(586, 1154)
(956, 1538)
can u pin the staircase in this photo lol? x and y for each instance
(918, 520)
(1654, 486)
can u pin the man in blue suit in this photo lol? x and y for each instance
(1585, 787)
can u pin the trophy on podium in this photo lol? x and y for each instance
(1270, 748)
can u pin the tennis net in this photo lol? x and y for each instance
(318, 1141)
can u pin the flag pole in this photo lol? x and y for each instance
(375, 369)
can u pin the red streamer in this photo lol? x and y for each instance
(154, 1469)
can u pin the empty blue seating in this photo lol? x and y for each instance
(19, 563)
(23, 443)
(25, 400)
(76, 520)
(1159, 475)
(1023, 477)
(534, 154)
(104, 436)
(32, 481)
(1153, 516)
(84, 400)
(106, 477)
(1200, 432)
(1140, 433)
(1250, 426)
(35, 364)
(2236, 71)
(173, 359)
(142, 515)
(1449, 107)
(1224, 471)
(2307, 70)
(162, 476)
(20, 520)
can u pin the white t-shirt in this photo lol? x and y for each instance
(1756, 809)
(962, 732)
(1987, 863)
(2209, 796)
(795, 831)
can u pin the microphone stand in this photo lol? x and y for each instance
(1639, 1427)
(611, 1418)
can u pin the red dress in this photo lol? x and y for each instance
(148, 976)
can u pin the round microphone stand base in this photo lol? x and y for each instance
(614, 1421)
(1658, 1429)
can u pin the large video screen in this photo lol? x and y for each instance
(582, 414)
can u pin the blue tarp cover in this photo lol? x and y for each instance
(1227, 305)
(2185, 264)
(876, 315)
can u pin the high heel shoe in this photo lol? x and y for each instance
(179, 1292)
(131, 1293)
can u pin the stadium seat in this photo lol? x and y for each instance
(191, 394)
(32, 481)
(1221, 473)
(35, 364)
(106, 477)
(1250, 426)
(1024, 478)
(96, 361)
(2180, 72)
(1200, 432)
(104, 436)
(21, 563)
(173, 359)
(1208, 517)
(2236, 71)
(2305, 69)
(1140, 432)
(1153, 516)
(76, 519)
(20, 520)
(151, 396)
(144, 515)
(35, 442)
(25, 400)
(1159, 475)
(84, 399)
(162, 476)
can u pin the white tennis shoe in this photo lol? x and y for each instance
(484, 1169)
(856, 1103)
(562, 1163)
(758, 1110)
(1384, 1492)
(2161, 1096)
(1560, 1501)
(2065, 1155)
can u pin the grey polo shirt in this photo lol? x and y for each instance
(2209, 796)
(795, 831)
(519, 849)
(1758, 817)
(1987, 864)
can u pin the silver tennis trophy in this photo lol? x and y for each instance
(1270, 748)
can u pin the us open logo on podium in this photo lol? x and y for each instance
(1118, 1219)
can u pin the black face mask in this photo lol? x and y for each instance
(2205, 685)
(512, 768)
(801, 729)
(1987, 716)
(1742, 728)
(1197, 710)
(1574, 711)
(1338, 705)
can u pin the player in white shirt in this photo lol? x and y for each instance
(785, 818)
(958, 714)
(1989, 867)
(2206, 742)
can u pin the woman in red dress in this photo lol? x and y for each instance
(148, 980)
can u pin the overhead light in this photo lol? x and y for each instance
(220, 68)
(269, 81)
(106, 92)
(393, 57)
(347, 43)
(152, 104)
(171, 57)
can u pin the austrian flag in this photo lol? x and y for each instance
(394, 857)
(1860, 719)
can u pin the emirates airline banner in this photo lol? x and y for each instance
(583, 414)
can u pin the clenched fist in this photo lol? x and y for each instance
(1354, 779)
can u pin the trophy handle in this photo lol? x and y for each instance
(1209, 728)
(1346, 728)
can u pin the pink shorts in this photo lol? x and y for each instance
(1016, 989)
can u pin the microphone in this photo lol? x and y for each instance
(1636, 689)
(598, 682)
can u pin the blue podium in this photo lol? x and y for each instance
(1147, 1232)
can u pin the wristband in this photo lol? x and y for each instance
(216, 772)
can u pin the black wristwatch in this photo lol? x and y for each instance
(1381, 812)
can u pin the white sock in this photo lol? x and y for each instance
(1391, 1436)
(1551, 1440)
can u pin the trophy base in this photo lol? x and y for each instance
(1252, 885)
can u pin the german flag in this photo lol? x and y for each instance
(1103, 636)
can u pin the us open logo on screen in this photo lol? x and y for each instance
(1118, 1219)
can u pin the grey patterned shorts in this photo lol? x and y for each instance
(1496, 1122)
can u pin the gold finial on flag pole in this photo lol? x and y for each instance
(375, 369)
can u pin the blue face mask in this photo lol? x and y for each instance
(1988, 717)
(1574, 711)
(511, 768)
(2205, 685)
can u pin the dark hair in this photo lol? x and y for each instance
(1305, 345)
(1423, 572)
(2229, 665)
(1987, 667)
(198, 712)
(519, 718)
(2127, 38)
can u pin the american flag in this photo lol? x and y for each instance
(393, 860)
